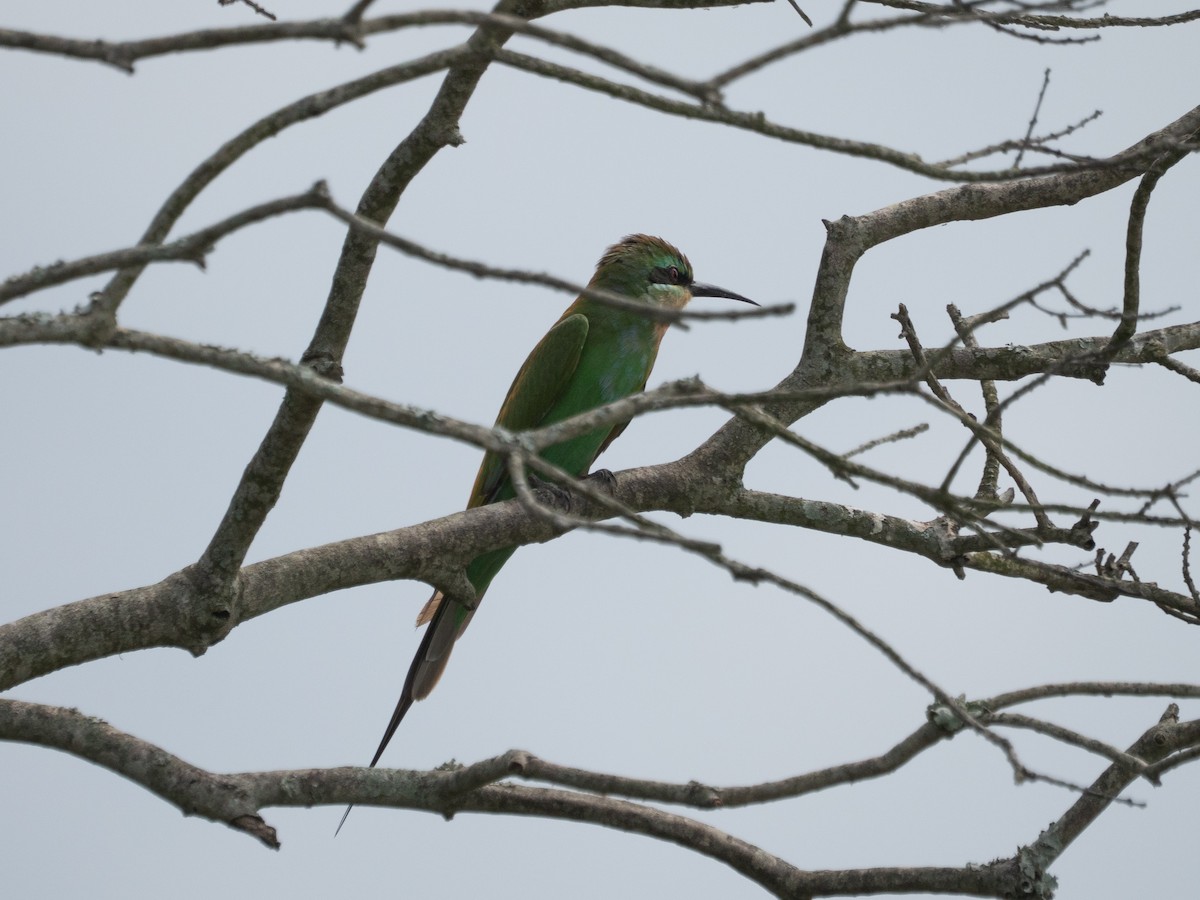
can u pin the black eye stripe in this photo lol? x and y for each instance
(670, 275)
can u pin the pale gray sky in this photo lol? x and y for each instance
(114, 469)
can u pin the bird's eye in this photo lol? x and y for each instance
(670, 275)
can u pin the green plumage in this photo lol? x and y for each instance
(593, 355)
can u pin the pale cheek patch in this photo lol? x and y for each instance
(672, 296)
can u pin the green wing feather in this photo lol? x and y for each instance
(540, 382)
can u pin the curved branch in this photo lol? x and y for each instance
(194, 791)
(1093, 689)
(195, 246)
(1159, 743)
(261, 483)
(350, 29)
(1131, 301)
(105, 306)
(236, 800)
(1067, 736)
(1036, 20)
(827, 360)
(693, 793)
(191, 248)
(521, 276)
(758, 123)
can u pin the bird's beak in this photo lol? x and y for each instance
(699, 289)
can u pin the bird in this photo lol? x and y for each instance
(594, 354)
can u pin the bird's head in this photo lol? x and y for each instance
(645, 267)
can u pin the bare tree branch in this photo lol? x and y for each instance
(200, 604)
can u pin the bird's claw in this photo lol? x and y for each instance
(606, 479)
(559, 495)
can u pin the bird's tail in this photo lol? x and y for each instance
(431, 606)
(447, 619)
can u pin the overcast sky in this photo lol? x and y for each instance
(591, 651)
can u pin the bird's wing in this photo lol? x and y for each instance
(540, 382)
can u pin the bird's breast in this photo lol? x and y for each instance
(626, 369)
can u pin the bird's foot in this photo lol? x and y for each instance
(604, 479)
(562, 498)
(558, 495)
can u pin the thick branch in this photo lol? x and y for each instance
(236, 800)
(826, 360)
(194, 791)
(263, 479)
(1168, 737)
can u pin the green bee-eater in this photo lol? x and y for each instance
(594, 354)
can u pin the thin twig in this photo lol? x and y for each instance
(250, 3)
(1037, 108)
(984, 434)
